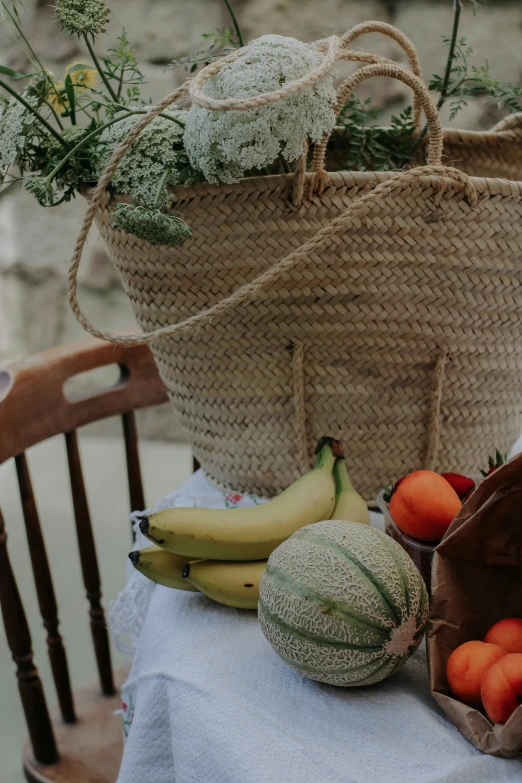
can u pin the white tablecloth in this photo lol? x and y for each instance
(208, 701)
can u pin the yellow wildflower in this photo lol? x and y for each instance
(82, 74)
(56, 96)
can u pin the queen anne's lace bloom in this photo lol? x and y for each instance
(82, 17)
(17, 125)
(223, 145)
(159, 146)
(79, 168)
(41, 189)
(156, 227)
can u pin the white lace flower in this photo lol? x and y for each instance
(82, 17)
(159, 146)
(16, 128)
(223, 145)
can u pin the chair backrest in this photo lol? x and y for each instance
(34, 407)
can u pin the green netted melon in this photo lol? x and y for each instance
(342, 603)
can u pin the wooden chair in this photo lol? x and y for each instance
(81, 740)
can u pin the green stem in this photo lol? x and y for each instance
(235, 23)
(451, 54)
(454, 90)
(162, 183)
(69, 90)
(92, 135)
(100, 69)
(120, 82)
(83, 109)
(34, 112)
(49, 106)
(37, 60)
(457, 8)
(144, 111)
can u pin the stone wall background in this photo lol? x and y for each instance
(36, 243)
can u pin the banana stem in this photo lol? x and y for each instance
(342, 479)
(326, 453)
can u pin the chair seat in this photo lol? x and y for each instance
(91, 748)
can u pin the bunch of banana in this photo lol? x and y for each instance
(164, 568)
(229, 582)
(223, 553)
(249, 533)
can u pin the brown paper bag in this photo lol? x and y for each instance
(476, 581)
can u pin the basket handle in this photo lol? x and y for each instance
(249, 291)
(434, 155)
(335, 49)
(193, 87)
(95, 203)
(399, 37)
(333, 53)
(513, 122)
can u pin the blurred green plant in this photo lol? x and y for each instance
(57, 133)
(223, 42)
(462, 81)
(373, 147)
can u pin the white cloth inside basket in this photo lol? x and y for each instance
(208, 700)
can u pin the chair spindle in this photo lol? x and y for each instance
(45, 590)
(89, 563)
(130, 432)
(20, 644)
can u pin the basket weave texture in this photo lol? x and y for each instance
(396, 328)
(371, 313)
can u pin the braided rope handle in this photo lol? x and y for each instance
(289, 88)
(435, 423)
(434, 154)
(298, 187)
(513, 122)
(398, 36)
(250, 290)
(335, 49)
(95, 203)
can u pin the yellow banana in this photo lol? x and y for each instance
(249, 533)
(164, 568)
(229, 582)
(349, 505)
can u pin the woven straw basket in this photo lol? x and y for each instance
(380, 308)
